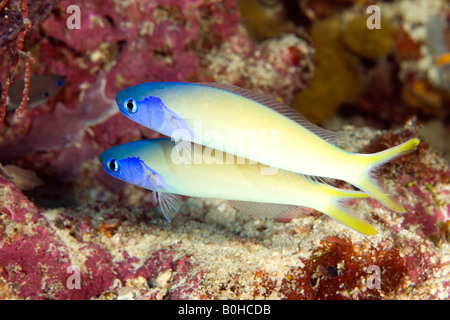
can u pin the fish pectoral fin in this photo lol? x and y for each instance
(186, 151)
(272, 210)
(173, 119)
(170, 204)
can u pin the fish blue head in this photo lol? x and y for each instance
(131, 169)
(146, 104)
(140, 102)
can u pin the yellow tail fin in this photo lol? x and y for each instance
(341, 213)
(369, 182)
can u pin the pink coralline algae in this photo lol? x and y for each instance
(37, 248)
(281, 67)
(426, 208)
(19, 18)
(146, 41)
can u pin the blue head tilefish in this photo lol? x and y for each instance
(152, 164)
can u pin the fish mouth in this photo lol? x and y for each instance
(103, 159)
(120, 98)
(125, 111)
(105, 167)
(109, 171)
(120, 105)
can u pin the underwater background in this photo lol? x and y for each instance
(62, 216)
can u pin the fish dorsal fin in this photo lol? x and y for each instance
(272, 210)
(280, 107)
(169, 203)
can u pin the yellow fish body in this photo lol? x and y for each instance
(153, 164)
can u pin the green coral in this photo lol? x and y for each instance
(263, 22)
(339, 50)
(369, 43)
(335, 80)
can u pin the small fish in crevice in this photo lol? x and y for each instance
(24, 179)
(42, 87)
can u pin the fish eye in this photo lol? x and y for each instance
(113, 165)
(59, 83)
(131, 106)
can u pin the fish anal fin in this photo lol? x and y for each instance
(342, 212)
(272, 210)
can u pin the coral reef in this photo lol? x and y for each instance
(19, 18)
(69, 231)
(368, 43)
(388, 74)
(281, 67)
(334, 73)
(128, 251)
(265, 19)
